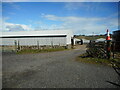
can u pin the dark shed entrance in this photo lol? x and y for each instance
(116, 40)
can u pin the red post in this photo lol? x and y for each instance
(108, 48)
(108, 35)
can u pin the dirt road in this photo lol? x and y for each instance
(54, 70)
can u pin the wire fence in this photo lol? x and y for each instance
(18, 47)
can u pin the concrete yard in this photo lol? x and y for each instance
(54, 70)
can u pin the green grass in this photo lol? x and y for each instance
(90, 37)
(27, 51)
(83, 58)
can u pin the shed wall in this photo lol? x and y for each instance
(34, 41)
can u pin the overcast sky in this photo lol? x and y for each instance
(81, 17)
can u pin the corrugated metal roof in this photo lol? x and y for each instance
(37, 33)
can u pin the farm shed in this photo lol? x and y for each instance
(76, 40)
(116, 40)
(100, 40)
(85, 41)
(44, 37)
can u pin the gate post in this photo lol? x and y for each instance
(108, 49)
(72, 42)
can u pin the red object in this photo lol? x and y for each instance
(108, 36)
(108, 49)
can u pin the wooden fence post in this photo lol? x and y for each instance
(15, 45)
(2, 48)
(38, 44)
(81, 42)
(113, 49)
(72, 42)
(18, 45)
(52, 44)
(108, 49)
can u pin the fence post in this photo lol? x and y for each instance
(52, 44)
(113, 47)
(81, 42)
(18, 45)
(38, 44)
(108, 49)
(108, 45)
(72, 42)
(15, 45)
(2, 48)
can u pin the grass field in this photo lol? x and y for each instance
(90, 37)
(26, 51)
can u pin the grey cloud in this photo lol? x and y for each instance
(15, 27)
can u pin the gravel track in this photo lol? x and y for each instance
(54, 70)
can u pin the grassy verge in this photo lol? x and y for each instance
(27, 51)
(85, 59)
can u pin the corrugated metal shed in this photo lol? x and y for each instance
(100, 40)
(85, 40)
(46, 37)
